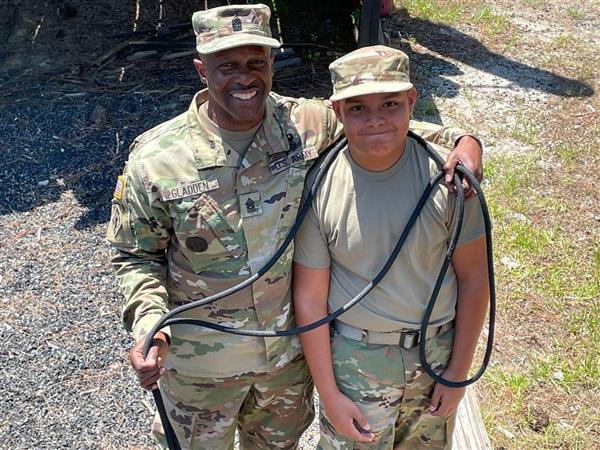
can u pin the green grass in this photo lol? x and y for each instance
(563, 40)
(527, 239)
(514, 383)
(524, 130)
(575, 13)
(512, 41)
(454, 13)
(468, 94)
(435, 11)
(491, 24)
(426, 107)
(567, 152)
(558, 279)
(564, 372)
(507, 174)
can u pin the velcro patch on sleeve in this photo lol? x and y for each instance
(119, 188)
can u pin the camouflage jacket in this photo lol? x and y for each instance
(188, 222)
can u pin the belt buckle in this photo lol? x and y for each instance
(364, 336)
(409, 338)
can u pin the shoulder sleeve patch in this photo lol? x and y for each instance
(119, 188)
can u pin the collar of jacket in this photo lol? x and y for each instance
(209, 149)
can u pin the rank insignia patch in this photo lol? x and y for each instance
(250, 204)
(236, 24)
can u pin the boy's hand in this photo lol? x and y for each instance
(468, 152)
(343, 413)
(444, 399)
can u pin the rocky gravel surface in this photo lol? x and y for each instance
(65, 380)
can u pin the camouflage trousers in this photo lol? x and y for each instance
(392, 391)
(270, 410)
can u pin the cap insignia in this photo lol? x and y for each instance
(236, 23)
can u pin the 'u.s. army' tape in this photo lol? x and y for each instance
(280, 164)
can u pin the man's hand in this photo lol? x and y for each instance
(150, 369)
(344, 415)
(468, 152)
(444, 399)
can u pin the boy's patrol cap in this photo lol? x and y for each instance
(370, 70)
(232, 26)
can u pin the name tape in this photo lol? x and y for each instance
(187, 190)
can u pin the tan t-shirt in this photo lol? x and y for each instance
(353, 225)
(239, 141)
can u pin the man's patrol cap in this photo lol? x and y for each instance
(232, 26)
(370, 70)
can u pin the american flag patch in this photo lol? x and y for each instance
(119, 188)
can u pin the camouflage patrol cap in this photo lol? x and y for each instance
(232, 26)
(370, 70)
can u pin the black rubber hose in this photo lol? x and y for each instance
(169, 319)
(338, 312)
(170, 435)
(167, 427)
(326, 162)
(491, 282)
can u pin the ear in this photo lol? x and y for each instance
(201, 69)
(412, 98)
(337, 107)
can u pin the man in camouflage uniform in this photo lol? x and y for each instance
(203, 202)
(373, 390)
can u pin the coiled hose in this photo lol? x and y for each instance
(170, 319)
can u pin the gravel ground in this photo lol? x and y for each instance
(65, 379)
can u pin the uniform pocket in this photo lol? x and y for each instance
(439, 350)
(429, 432)
(206, 239)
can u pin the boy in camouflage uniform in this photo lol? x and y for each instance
(374, 393)
(203, 202)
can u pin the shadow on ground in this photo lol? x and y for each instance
(451, 43)
(67, 123)
(60, 137)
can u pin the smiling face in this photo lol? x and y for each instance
(376, 126)
(239, 80)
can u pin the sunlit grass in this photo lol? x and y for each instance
(559, 278)
(543, 387)
(491, 24)
(444, 12)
